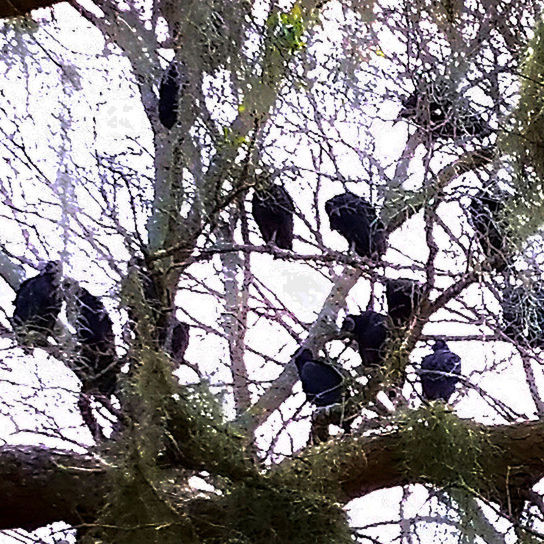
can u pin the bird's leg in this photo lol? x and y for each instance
(272, 241)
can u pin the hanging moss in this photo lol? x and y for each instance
(523, 141)
(397, 357)
(270, 514)
(138, 511)
(287, 29)
(168, 423)
(316, 471)
(438, 446)
(447, 14)
(199, 437)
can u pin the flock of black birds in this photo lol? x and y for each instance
(357, 221)
(39, 299)
(38, 303)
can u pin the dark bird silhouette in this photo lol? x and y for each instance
(523, 315)
(98, 368)
(321, 382)
(325, 388)
(273, 211)
(370, 331)
(356, 220)
(177, 342)
(439, 372)
(169, 90)
(484, 215)
(37, 305)
(436, 112)
(403, 297)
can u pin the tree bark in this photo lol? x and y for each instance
(14, 8)
(39, 486)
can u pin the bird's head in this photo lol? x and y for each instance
(439, 345)
(331, 210)
(303, 354)
(348, 324)
(51, 267)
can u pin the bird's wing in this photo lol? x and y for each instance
(318, 377)
(456, 364)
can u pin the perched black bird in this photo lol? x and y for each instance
(439, 372)
(169, 90)
(436, 112)
(356, 220)
(484, 215)
(177, 342)
(523, 315)
(37, 304)
(321, 382)
(325, 388)
(273, 210)
(370, 331)
(96, 342)
(402, 296)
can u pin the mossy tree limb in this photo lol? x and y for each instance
(65, 486)
(16, 8)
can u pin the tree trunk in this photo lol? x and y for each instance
(14, 8)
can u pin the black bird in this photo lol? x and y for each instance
(321, 382)
(403, 297)
(370, 331)
(436, 112)
(96, 342)
(484, 215)
(523, 315)
(273, 211)
(177, 343)
(169, 90)
(356, 220)
(435, 381)
(37, 304)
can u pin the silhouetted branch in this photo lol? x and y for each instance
(15, 8)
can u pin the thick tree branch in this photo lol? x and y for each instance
(39, 486)
(512, 461)
(318, 334)
(409, 206)
(14, 8)
(235, 315)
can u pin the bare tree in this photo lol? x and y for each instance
(166, 400)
